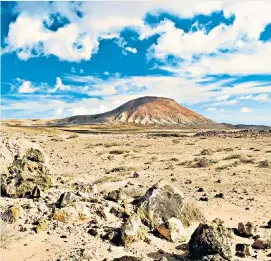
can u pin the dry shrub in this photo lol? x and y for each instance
(203, 162)
(120, 169)
(224, 149)
(164, 135)
(247, 160)
(242, 158)
(174, 159)
(234, 156)
(219, 168)
(73, 136)
(234, 164)
(264, 164)
(206, 152)
(118, 152)
(191, 213)
(109, 145)
(108, 179)
(186, 163)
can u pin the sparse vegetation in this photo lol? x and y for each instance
(206, 152)
(108, 179)
(234, 164)
(120, 169)
(225, 149)
(168, 135)
(118, 152)
(247, 160)
(203, 162)
(73, 136)
(174, 159)
(233, 156)
(113, 144)
(190, 143)
(242, 158)
(219, 168)
(191, 213)
(186, 163)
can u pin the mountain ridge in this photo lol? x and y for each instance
(147, 110)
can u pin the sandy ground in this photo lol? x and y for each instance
(235, 172)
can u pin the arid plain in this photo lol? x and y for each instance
(223, 175)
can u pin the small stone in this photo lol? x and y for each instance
(219, 195)
(203, 199)
(36, 192)
(12, 214)
(104, 212)
(116, 195)
(261, 244)
(135, 175)
(269, 223)
(132, 230)
(93, 232)
(242, 250)
(212, 258)
(65, 199)
(245, 230)
(41, 226)
(163, 258)
(35, 155)
(94, 189)
(173, 230)
(126, 258)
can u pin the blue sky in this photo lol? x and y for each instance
(66, 58)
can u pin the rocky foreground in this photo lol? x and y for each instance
(36, 203)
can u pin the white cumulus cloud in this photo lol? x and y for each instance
(26, 87)
(245, 110)
(131, 50)
(60, 86)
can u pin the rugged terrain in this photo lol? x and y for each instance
(103, 173)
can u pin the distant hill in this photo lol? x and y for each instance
(246, 126)
(147, 110)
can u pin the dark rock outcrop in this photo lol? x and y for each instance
(211, 239)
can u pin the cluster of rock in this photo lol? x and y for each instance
(237, 133)
(160, 211)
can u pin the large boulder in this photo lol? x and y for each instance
(173, 230)
(12, 147)
(72, 213)
(25, 175)
(132, 230)
(160, 203)
(211, 239)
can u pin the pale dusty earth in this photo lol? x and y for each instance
(246, 186)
